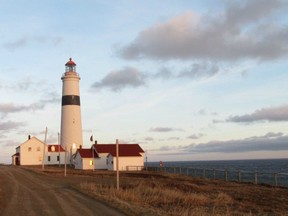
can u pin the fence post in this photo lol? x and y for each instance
(239, 176)
(174, 170)
(275, 179)
(226, 175)
(214, 173)
(256, 178)
(204, 172)
(180, 170)
(187, 171)
(195, 171)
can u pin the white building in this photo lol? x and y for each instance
(84, 159)
(131, 156)
(31, 152)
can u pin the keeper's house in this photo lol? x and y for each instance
(31, 152)
(131, 156)
(103, 156)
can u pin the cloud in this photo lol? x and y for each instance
(120, 79)
(266, 114)
(199, 70)
(149, 139)
(243, 30)
(4, 126)
(51, 97)
(174, 138)
(164, 129)
(24, 41)
(269, 142)
(164, 73)
(10, 143)
(6, 108)
(195, 136)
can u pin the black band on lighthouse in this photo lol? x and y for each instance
(70, 100)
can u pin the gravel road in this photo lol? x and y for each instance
(24, 192)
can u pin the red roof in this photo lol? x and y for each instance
(16, 154)
(124, 149)
(56, 148)
(87, 153)
(70, 62)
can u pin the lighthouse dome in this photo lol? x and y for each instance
(70, 62)
(70, 66)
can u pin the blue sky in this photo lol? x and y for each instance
(187, 80)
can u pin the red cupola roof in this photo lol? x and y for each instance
(70, 63)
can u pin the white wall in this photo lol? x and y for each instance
(53, 158)
(83, 163)
(88, 163)
(31, 152)
(124, 162)
(100, 163)
(78, 161)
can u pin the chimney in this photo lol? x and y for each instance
(95, 141)
(80, 147)
(29, 137)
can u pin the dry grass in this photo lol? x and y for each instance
(148, 193)
(178, 195)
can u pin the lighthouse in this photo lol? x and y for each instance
(71, 124)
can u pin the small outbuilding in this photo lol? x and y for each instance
(84, 159)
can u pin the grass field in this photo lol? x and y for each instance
(148, 193)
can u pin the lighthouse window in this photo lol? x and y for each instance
(49, 158)
(29, 149)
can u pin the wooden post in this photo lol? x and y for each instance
(117, 163)
(226, 175)
(204, 172)
(187, 171)
(43, 160)
(180, 170)
(239, 176)
(256, 177)
(65, 161)
(59, 149)
(214, 173)
(275, 179)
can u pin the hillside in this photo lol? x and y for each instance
(148, 193)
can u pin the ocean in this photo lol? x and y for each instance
(260, 171)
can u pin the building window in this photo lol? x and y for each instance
(107, 161)
(38, 148)
(91, 162)
(49, 158)
(29, 148)
(58, 158)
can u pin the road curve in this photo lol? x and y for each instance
(24, 192)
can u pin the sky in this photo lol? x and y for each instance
(187, 80)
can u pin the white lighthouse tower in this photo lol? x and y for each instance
(71, 124)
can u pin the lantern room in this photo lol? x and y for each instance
(70, 66)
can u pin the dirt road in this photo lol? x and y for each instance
(24, 192)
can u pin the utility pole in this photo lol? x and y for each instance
(117, 163)
(65, 161)
(43, 160)
(59, 149)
